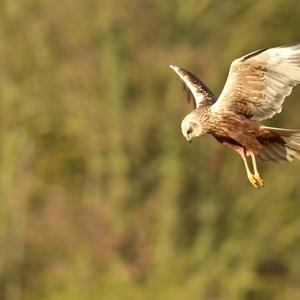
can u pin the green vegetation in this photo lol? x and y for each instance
(101, 197)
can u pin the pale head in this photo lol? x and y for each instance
(191, 127)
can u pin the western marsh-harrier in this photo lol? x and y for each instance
(255, 89)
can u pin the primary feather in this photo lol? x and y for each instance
(198, 89)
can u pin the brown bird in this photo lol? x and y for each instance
(255, 89)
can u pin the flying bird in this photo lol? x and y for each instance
(255, 89)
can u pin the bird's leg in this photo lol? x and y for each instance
(256, 174)
(254, 179)
(251, 177)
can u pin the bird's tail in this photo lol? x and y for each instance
(285, 148)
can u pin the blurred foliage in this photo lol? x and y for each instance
(101, 197)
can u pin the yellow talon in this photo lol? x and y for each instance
(259, 180)
(253, 180)
(256, 180)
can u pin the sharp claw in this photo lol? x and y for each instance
(256, 181)
(253, 181)
(259, 180)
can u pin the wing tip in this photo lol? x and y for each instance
(174, 67)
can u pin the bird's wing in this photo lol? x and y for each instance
(258, 83)
(198, 89)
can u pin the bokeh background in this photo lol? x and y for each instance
(101, 196)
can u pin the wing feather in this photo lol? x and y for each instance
(197, 88)
(259, 82)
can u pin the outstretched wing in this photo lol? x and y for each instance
(258, 83)
(198, 89)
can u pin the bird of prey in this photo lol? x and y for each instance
(255, 89)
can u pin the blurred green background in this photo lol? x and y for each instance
(100, 195)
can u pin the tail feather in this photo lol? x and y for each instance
(286, 148)
(294, 145)
(279, 150)
(263, 156)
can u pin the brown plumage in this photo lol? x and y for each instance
(255, 89)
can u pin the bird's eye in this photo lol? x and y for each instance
(189, 131)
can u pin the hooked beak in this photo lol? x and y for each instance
(189, 139)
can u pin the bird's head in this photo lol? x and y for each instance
(191, 128)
